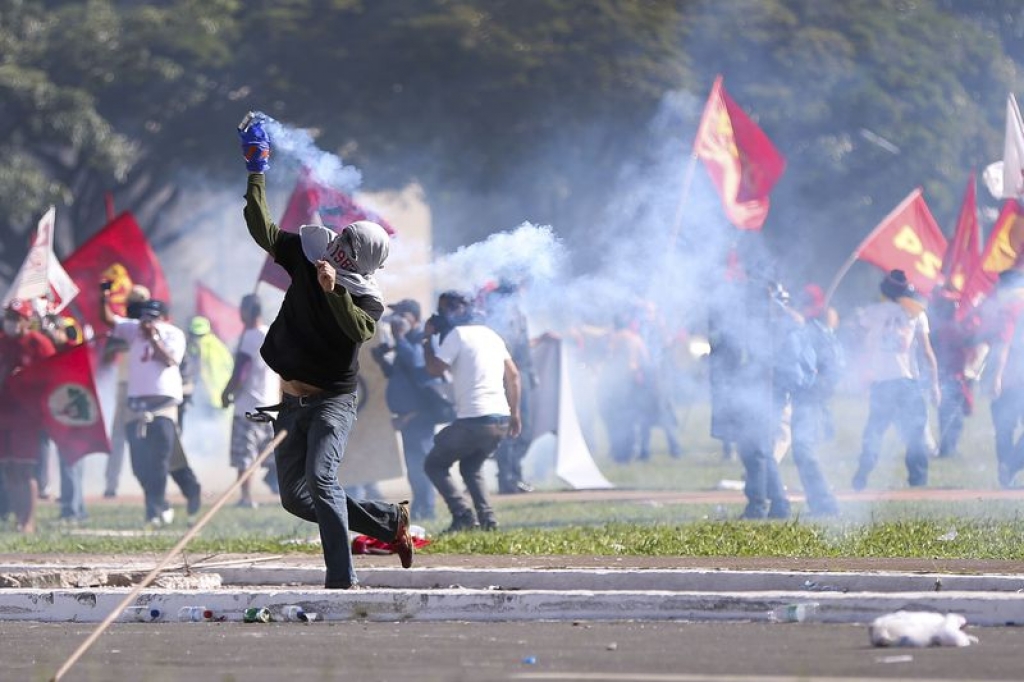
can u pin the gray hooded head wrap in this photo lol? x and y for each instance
(356, 252)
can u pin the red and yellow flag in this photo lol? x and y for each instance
(1002, 252)
(908, 239)
(741, 160)
(963, 253)
(119, 252)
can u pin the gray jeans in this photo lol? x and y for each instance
(307, 471)
(469, 442)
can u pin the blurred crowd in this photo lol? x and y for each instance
(770, 364)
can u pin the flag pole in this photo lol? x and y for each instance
(684, 195)
(864, 242)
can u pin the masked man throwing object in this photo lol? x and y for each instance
(329, 310)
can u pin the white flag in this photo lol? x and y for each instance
(33, 279)
(62, 288)
(1005, 179)
(42, 275)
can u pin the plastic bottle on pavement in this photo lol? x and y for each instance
(194, 614)
(794, 613)
(143, 614)
(294, 613)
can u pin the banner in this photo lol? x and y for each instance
(58, 395)
(556, 420)
(315, 203)
(40, 266)
(741, 160)
(1005, 179)
(963, 253)
(1000, 253)
(119, 252)
(908, 239)
(223, 316)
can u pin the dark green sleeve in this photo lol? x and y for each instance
(257, 215)
(357, 324)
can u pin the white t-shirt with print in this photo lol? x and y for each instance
(476, 356)
(891, 340)
(147, 374)
(261, 385)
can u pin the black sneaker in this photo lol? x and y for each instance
(462, 522)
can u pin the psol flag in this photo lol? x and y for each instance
(908, 239)
(120, 253)
(742, 162)
(963, 254)
(59, 395)
(1002, 251)
(314, 203)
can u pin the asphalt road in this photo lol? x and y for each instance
(480, 652)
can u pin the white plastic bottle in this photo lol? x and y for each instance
(293, 613)
(794, 613)
(194, 614)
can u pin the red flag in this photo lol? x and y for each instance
(962, 255)
(58, 395)
(119, 252)
(908, 239)
(223, 316)
(1002, 251)
(742, 161)
(315, 203)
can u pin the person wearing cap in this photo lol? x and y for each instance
(407, 399)
(155, 351)
(115, 352)
(331, 307)
(204, 371)
(21, 346)
(252, 383)
(896, 336)
(487, 393)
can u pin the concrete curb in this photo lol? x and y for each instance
(693, 580)
(89, 606)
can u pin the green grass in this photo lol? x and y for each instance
(983, 529)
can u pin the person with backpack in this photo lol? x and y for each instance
(897, 335)
(811, 421)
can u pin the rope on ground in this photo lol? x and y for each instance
(185, 539)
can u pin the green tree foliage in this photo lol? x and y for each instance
(504, 110)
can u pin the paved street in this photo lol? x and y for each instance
(448, 652)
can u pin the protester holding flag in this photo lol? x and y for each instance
(897, 334)
(954, 344)
(330, 308)
(25, 442)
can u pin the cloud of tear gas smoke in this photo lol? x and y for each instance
(297, 144)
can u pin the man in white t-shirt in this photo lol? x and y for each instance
(896, 336)
(155, 350)
(486, 387)
(252, 383)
